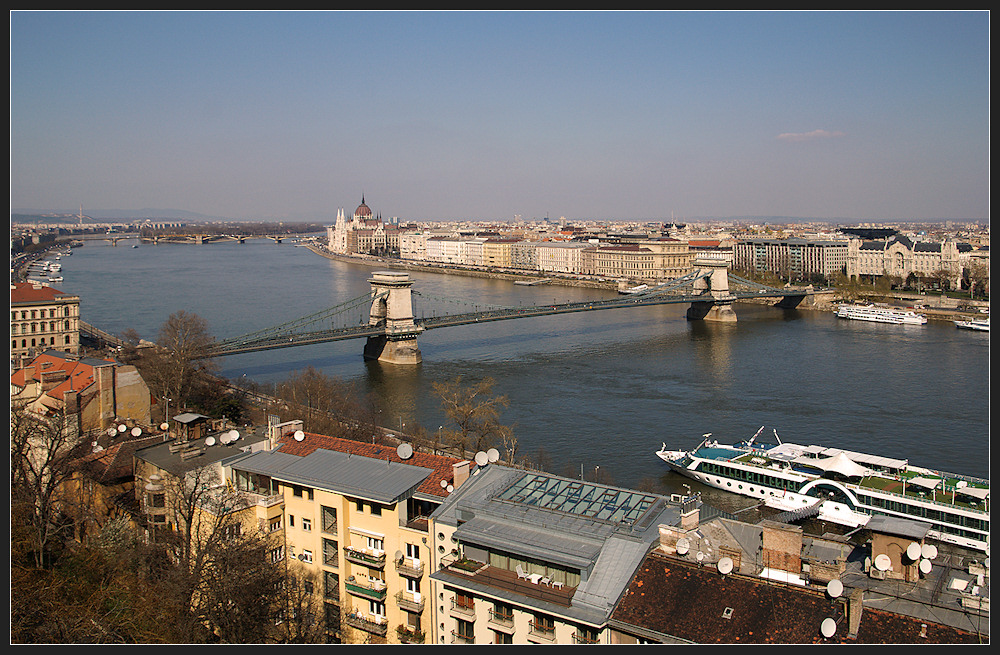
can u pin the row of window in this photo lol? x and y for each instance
(30, 343)
(32, 328)
(40, 313)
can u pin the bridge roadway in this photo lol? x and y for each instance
(656, 296)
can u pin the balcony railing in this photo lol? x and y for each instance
(374, 590)
(541, 630)
(375, 626)
(463, 609)
(459, 638)
(503, 621)
(410, 602)
(410, 568)
(367, 557)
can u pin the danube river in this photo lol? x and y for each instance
(595, 389)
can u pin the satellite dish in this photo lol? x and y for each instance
(928, 551)
(299, 435)
(481, 458)
(399, 556)
(136, 431)
(882, 562)
(233, 435)
(683, 546)
(210, 441)
(404, 450)
(700, 556)
(450, 488)
(828, 627)
(925, 566)
(834, 588)
(913, 551)
(725, 565)
(492, 455)
(112, 432)
(164, 426)
(122, 427)
(444, 484)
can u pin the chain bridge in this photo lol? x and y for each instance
(385, 316)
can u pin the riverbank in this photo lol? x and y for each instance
(823, 301)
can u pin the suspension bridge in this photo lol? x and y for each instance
(385, 316)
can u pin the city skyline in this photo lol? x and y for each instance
(486, 115)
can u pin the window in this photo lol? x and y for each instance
(376, 607)
(331, 585)
(330, 552)
(307, 525)
(275, 524)
(376, 509)
(375, 544)
(291, 521)
(307, 556)
(277, 554)
(466, 631)
(328, 518)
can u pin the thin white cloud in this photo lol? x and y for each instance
(809, 136)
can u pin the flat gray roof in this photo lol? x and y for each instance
(353, 475)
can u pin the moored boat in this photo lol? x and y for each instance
(980, 324)
(841, 486)
(876, 314)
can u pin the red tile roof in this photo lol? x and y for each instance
(26, 292)
(442, 465)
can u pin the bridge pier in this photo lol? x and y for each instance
(716, 285)
(392, 306)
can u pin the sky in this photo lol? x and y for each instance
(441, 115)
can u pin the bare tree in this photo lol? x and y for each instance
(475, 412)
(43, 452)
(328, 405)
(178, 363)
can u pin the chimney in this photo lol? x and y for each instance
(460, 472)
(781, 546)
(855, 607)
(691, 518)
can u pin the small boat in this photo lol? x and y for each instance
(633, 290)
(980, 324)
(841, 486)
(876, 314)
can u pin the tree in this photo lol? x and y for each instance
(178, 365)
(475, 412)
(328, 405)
(43, 452)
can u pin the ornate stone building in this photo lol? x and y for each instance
(364, 233)
(898, 256)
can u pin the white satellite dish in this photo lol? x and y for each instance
(112, 432)
(683, 545)
(928, 551)
(450, 488)
(404, 450)
(882, 562)
(481, 458)
(444, 484)
(493, 455)
(834, 588)
(828, 627)
(136, 431)
(164, 426)
(925, 566)
(299, 435)
(122, 427)
(699, 556)
(913, 551)
(725, 565)
(233, 435)
(210, 441)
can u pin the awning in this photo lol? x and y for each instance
(975, 492)
(839, 463)
(926, 483)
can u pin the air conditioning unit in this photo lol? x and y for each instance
(877, 574)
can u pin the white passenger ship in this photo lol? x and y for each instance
(841, 486)
(878, 314)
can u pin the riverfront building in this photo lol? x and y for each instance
(796, 258)
(42, 318)
(523, 557)
(364, 233)
(901, 257)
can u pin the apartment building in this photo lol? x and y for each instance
(523, 557)
(42, 318)
(795, 257)
(355, 522)
(561, 257)
(900, 257)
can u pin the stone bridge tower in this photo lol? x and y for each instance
(716, 284)
(392, 306)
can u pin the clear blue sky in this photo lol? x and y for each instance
(444, 115)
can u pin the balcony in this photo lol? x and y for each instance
(373, 590)
(365, 556)
(498, 578)
(409, 567)
(375, 625)
(541, 632)
(501, 621)
(466, 610)
(409, 635)
(409, 601)
(459, 638)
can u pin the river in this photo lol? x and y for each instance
(595, 389)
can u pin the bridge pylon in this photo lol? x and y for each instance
(716, 284)
(392, 306)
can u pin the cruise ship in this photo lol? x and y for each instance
(876, 314)
(842, 486)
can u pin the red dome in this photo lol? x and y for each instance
(362, 210)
